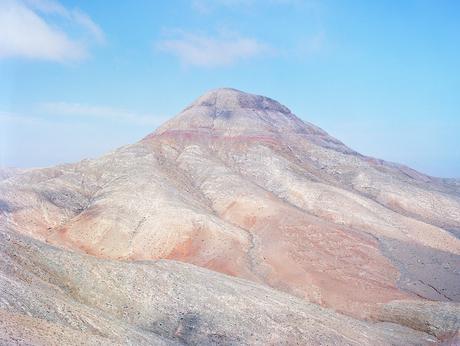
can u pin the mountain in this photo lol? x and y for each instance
(237, 184)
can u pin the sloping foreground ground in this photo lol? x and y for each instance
(50, 296)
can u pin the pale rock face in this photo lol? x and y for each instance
(238, 184)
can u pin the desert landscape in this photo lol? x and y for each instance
(234, 222)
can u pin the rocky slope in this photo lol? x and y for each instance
(51, 296)
(238, 184)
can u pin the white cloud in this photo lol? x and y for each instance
(16, 118)
(28, 30)
(96, 111)
(86, 22)
(24, 34)
(47, 6)
(41, 138)
(202, 50)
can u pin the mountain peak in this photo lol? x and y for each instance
(229, 111)
(227, 99)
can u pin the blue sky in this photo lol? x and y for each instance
(79, 78)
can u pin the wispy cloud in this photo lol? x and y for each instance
(10, 117)
(208, 51)
(30, 29)
(47, 6)
(29, 139)
(96, 111)
(86, 22)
